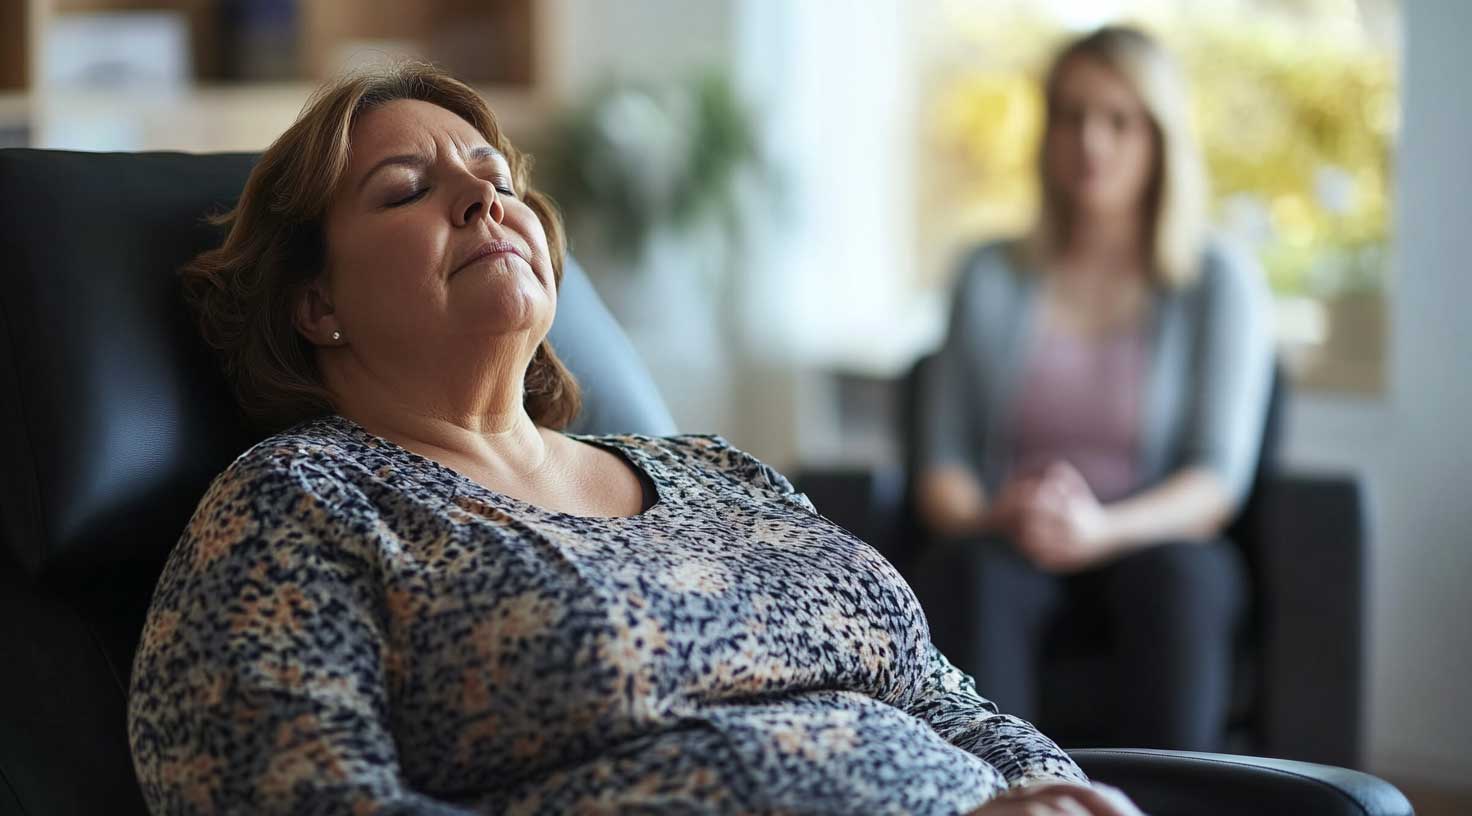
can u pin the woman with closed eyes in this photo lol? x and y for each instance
(420, 595)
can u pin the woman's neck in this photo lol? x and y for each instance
(1105, 243)
(508, 444)
(1098, 283)
(484, 425)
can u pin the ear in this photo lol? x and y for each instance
(315, 317)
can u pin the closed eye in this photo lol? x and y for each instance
(503, 186)
(409, 198)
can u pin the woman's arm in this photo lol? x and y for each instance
(1233, 370)
(955, 504)
(951, 501)
(1062, 527)
(259, 684)
(950, 704)
(1190, 505)
(1041, 778)
(950, 497)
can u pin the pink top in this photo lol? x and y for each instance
(1080, 401)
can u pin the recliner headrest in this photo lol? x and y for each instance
(114, 414)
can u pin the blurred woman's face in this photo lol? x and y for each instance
(431, 254)
(1100, 150)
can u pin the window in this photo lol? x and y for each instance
(1296, 109)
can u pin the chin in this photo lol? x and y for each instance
(512, 304)
(1102, 202)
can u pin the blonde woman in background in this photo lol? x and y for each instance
(1093, 419)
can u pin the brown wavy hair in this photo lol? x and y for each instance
(244, 293)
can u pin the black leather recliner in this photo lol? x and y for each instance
(115, 419)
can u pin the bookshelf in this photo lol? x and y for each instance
(232, 74)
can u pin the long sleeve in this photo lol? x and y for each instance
(259, 685)
(1234, 372)
(951, 705)
(950, 387)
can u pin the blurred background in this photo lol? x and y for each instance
(772, 196)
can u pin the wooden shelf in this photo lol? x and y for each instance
(233, 101)
(207, 118)
(479, 41)
(14, 55)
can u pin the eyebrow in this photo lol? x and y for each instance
(422, 160)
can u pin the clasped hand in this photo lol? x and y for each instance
(1054, 519)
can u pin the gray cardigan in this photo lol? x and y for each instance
(1211, 367)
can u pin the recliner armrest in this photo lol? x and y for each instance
(1164, 783)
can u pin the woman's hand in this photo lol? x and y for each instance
(951, 501)
(1060, 799)
(1061, 526)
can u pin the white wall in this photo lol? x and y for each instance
(1414, 447)
(831, 285)
(836, 88)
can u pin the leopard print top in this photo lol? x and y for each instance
(349, 627)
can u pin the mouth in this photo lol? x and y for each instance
(491, 248)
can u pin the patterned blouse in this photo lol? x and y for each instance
(349, 627)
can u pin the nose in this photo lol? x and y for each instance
(1096, 136)
(480, 201)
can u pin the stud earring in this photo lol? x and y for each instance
(336, 336)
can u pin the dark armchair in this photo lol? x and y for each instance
(115, 419)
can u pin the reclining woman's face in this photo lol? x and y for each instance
(431, 255)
